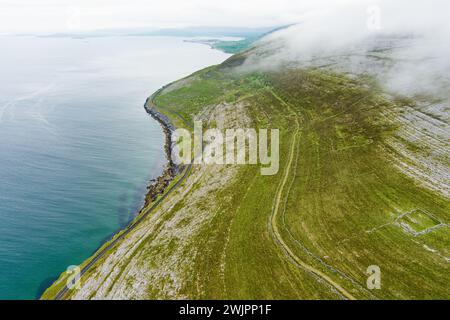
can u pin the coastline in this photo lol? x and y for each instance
(158, 190)
(157, 186)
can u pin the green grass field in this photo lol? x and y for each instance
(343, 189)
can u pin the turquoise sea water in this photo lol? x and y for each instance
(76, 146)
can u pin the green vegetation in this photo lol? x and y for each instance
(247, 41)
(312, 230)
(341, 201)
(235, 46)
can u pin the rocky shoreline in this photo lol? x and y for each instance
(158, 186)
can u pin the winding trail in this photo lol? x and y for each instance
(276, 210)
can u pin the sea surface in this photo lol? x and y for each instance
(77, 148)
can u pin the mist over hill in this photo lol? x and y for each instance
(405, 45)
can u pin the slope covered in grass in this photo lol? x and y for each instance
(308, 232)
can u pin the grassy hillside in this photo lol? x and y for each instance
(338, 205)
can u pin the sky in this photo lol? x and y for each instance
(82, 15)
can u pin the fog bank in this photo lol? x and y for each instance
(404, 43)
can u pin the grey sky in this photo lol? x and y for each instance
(69, 15)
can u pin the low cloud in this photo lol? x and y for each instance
(404, 43)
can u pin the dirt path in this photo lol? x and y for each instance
(276, 209)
